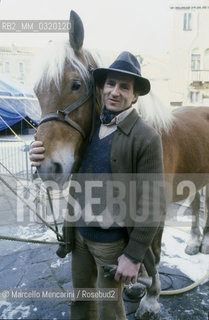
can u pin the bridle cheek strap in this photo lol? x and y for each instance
(60, 116)
(63, 115)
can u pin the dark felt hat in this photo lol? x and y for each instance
(125, 63)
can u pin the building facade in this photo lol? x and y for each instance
(16, 62)
(189, 53)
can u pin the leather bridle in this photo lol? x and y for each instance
(64, 115)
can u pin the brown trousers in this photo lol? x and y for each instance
(87, 260)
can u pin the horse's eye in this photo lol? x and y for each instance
(75, 85)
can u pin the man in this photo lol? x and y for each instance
(123, 144)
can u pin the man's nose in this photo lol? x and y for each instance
(115, 90)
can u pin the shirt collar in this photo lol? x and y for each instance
(119, 118)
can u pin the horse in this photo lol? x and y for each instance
(64, 89)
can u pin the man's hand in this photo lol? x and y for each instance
(127, 271)
(36, 153)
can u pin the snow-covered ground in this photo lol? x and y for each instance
(173, 255)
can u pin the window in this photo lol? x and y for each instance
(194, 96)
(191, 96)
(197, 96)
(6, 67)
(195, 63)
(21, 67)
(206, 60)
(187, 21)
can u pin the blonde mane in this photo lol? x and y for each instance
(155, 113)
(49, 65)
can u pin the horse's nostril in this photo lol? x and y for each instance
(58, 167)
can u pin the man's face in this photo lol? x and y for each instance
(118, 91)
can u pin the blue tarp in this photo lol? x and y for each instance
(17, 102)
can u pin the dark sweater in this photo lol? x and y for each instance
(96, 161)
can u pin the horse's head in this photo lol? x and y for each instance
(64, 90)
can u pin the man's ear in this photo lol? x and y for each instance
(136, 95)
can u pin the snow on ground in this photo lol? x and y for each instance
(173, 255)
(36, 231)
(9, 312)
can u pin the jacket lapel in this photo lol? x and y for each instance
(127, 124)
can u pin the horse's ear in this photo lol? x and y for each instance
(76, 32)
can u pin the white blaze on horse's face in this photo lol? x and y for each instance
(64, 80)
(59, 165)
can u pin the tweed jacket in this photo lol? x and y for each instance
(137, 150)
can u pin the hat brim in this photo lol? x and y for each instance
(142, 85)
